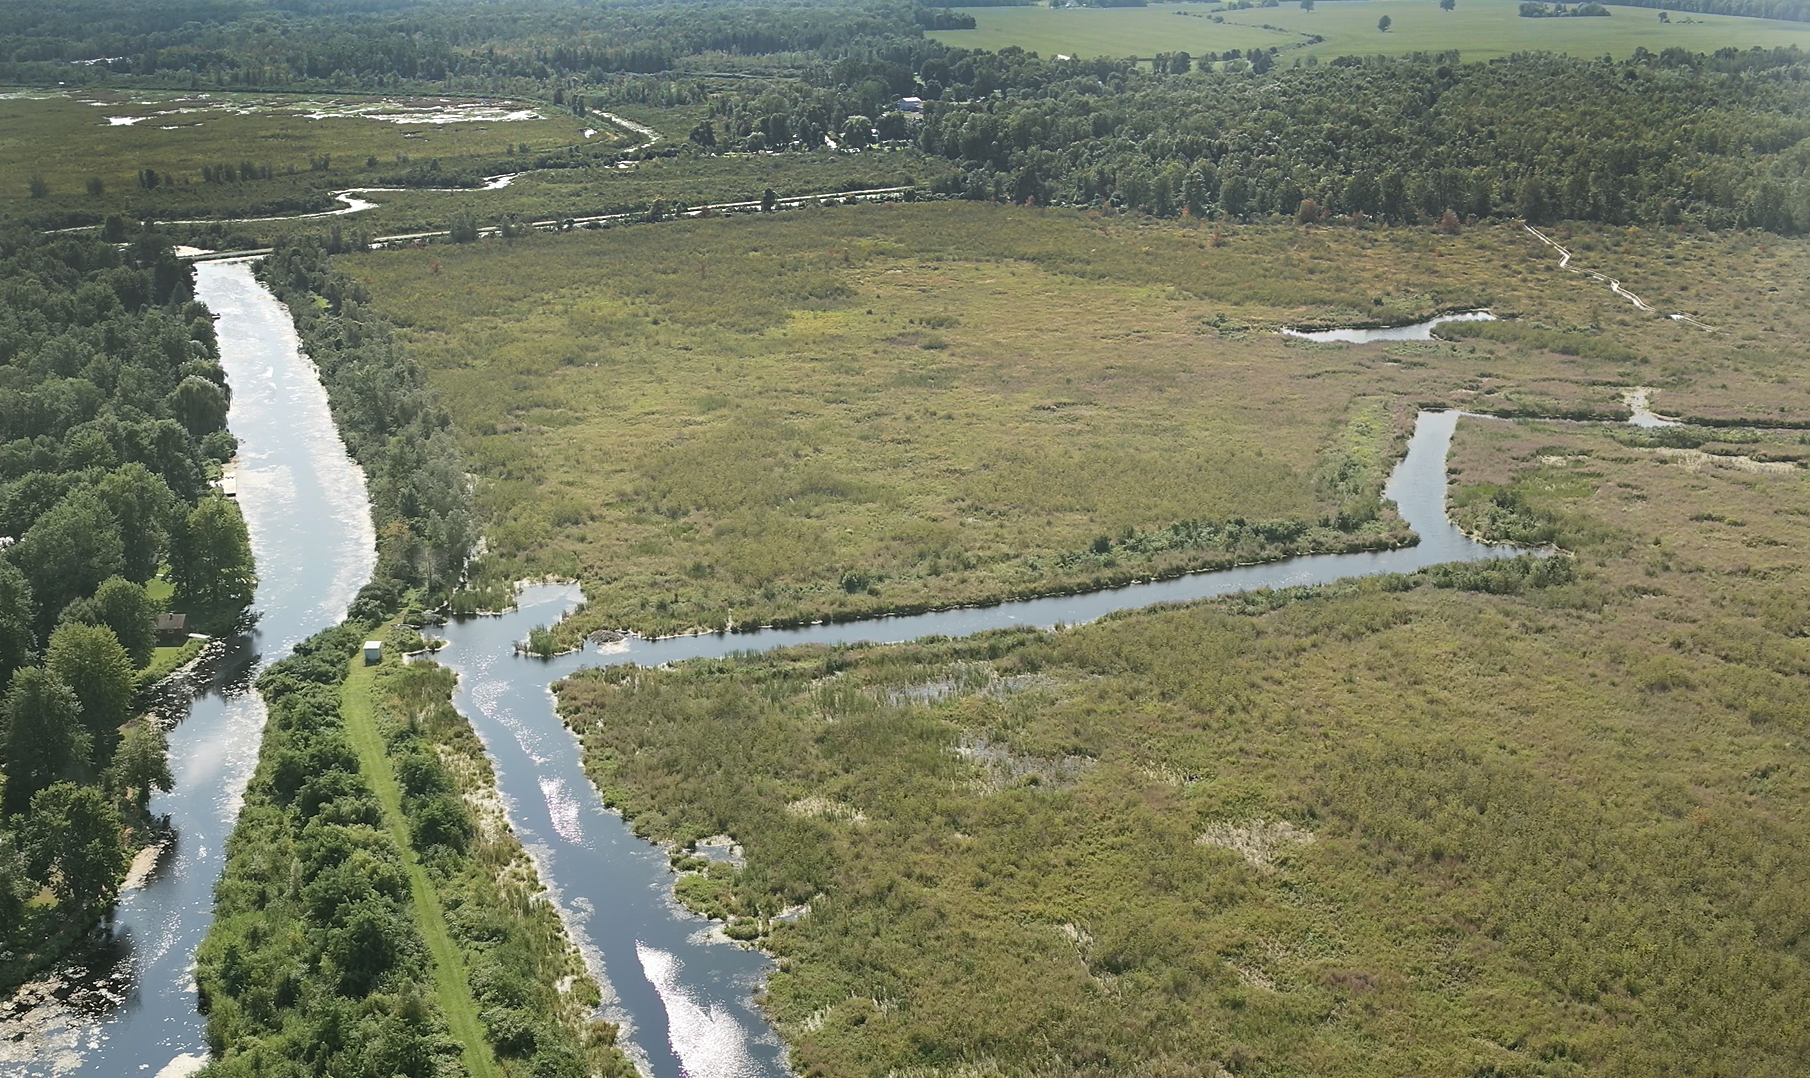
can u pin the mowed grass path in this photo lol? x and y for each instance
(454, 990)
(1478, 29)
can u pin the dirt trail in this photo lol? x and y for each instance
(1615, 286)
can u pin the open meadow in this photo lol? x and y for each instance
(851, 410)
(1454, 823)
(91, 149)
(1477, 29)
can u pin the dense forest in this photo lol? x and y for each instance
(113, 405)
(1723, 140)
(1720, 140)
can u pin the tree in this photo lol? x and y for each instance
(1448, 5)
(45, 739)
(1307, 5)
(131, 613)
(704, 135)
(1384, 23)
(1180, 63)
(16, 637)
(142, 763)
(37, 187)
(145, 508)
(199, 405)
(69, 551)
(73, 839)
(1195, 194)
(768, 201)
(90, 660)
(212, 565)
(857, 132)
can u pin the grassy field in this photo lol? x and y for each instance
(1383, 828)
(1478, 29)
(861, 409)
(70, 139)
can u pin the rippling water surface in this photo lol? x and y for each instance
(130, 1010)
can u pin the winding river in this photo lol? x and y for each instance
(686, 1003)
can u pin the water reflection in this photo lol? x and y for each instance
(128, 1008)
(1419, 331)
(687, 1004)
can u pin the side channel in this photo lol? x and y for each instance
(131, 1010)
(687, 1003)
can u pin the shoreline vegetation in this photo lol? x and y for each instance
(1180, 814)
(1532, 817)
(114, 412)
(376, 916)
(598, 469)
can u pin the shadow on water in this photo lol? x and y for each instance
(687, 1005)
(128, 1007)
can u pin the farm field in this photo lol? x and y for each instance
(70, 139)
(861, 409)
(1452, 823)
(1477, 29)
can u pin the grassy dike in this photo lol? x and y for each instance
(376, 916)
(359, 712)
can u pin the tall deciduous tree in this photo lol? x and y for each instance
(145, 507)
(74, 841)
(90, 660)
(142, 763)
(212, 566)
(45, 738)
(69, 551)
(125, 608)
(17, 641)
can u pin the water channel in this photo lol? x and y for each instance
(131, 1009)
(686, 1003)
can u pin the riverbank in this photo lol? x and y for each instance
(1192, 833)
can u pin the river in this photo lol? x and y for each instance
(131, 1009)
(686, 1004)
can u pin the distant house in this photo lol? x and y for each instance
(911, 104)
(172, 628)
(373, 652)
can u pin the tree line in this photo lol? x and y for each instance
(317, 962)
(112, 413)
(391, 424)
(1720, 139)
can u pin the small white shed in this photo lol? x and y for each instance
(373, 652)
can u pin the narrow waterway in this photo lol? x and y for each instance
(1418, 331)
(130, 1011)
(687, 1004)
